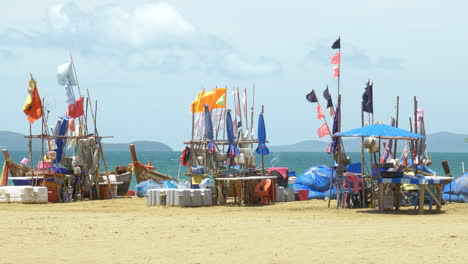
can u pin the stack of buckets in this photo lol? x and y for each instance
(52, 191)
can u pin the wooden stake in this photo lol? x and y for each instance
(363, 194)
(396, 124)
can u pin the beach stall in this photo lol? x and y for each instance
(386, 179)
(220, 154)
(71, 155)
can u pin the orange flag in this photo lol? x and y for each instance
(33, 105)
(215, 98)
(196, 103)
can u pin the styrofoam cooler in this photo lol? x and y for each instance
(284, 194)
(180, 197)
(206, 197)
(195, 197)
(23, 194)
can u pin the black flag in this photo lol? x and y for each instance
(312, 97)
(328, 97)
(367, 99)
(336, 44)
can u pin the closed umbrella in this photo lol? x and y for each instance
(212, 147)
(232, 150)
(262, 148)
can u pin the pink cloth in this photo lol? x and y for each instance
(355, 181)
(282, 170)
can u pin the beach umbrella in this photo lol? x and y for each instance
(379, 131)
(262, 148)
(232, 150)
(212, 147)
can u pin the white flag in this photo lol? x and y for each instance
(65, 73)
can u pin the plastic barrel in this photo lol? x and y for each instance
(303, 195)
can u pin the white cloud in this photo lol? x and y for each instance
(152, 36)
(146, 24)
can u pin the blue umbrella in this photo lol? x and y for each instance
(262, 148)
(381, 131)
(212, 147)
(232, 150)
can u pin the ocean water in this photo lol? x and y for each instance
(168, 162)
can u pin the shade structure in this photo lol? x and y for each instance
(262, 148)
(232, 150)
(212, 147)
(379, 130)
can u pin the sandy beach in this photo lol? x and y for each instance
(127, 231)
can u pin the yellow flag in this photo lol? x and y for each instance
(33, 105)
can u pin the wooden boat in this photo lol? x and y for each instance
(15, 169)
(143, 172)
(121, 174)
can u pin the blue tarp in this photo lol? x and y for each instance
(317, 181)
(457, 190)
(379, 130)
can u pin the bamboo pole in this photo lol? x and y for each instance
(415, 158)
(331, 184)
(396, 124)
(252, 114)
(246, 114)
(263, 156)
(239, 133)
(362, 162)
(101, 154)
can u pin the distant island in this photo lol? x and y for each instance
(437, 142)
(16, 142)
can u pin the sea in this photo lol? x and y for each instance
(168, 162)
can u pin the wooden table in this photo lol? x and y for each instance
(220, 184)
(422, 183)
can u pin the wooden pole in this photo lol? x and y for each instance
(331, 184)
(252, 114)
(30, 147)
(263, 156)
(363, 194)
(246, 114)
(240, 113)
(396, 124)
(415, 158)
(339, 72)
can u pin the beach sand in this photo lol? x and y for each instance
(125, 230)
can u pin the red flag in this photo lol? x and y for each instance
(76, 110)
(336, 58)
(320, 114)
(323, 130)
(336, 71)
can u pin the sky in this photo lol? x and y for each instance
(145, 61)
